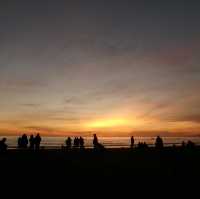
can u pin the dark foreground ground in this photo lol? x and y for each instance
(114, 167)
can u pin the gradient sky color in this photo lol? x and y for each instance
(113, 67)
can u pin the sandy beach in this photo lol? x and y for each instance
(150, 162)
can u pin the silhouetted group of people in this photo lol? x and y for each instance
(34, 142)
(188, 145)
(142, 145)
(78, 143)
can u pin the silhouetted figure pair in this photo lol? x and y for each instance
(132, 141)
(76, 142)
(19, 142)
(96, 144)
(190, 145)
(23, 141)
(3, 145)
(159, 143)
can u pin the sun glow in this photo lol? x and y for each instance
(106, 123)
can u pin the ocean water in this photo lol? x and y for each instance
(108, 142)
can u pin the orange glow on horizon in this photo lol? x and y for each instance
(109, 123)
(106, 126)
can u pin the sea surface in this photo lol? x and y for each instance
(108, 142)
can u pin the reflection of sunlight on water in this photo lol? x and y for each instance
(109, 142)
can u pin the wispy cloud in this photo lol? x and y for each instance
(194, 118)
(41, 128)
(179, 58)
(31, 105)
(9, 84)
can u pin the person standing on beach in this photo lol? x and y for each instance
(75, 142)
(24, 141)
(95, 141)
(81, 142)
(97, 146)
(19, 141)
(3, 145)
(68, 143)
(159, 143)
(37, 140)
(31, 141)
(132, 141)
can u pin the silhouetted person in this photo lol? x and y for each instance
(37, 141)
(132, 141)
(95, 141)
(183, 145)
(32, 142)
(24, 141)
(139, 144)
(19, 141)
(97, 145)
(76, 142)
(81, 142)
(68, 143)
(3, 145)
(159, 143)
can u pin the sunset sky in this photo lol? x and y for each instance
(113, 67)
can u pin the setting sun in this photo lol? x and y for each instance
(109, 123)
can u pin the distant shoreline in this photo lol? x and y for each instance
(108, 142)
(145, 136)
